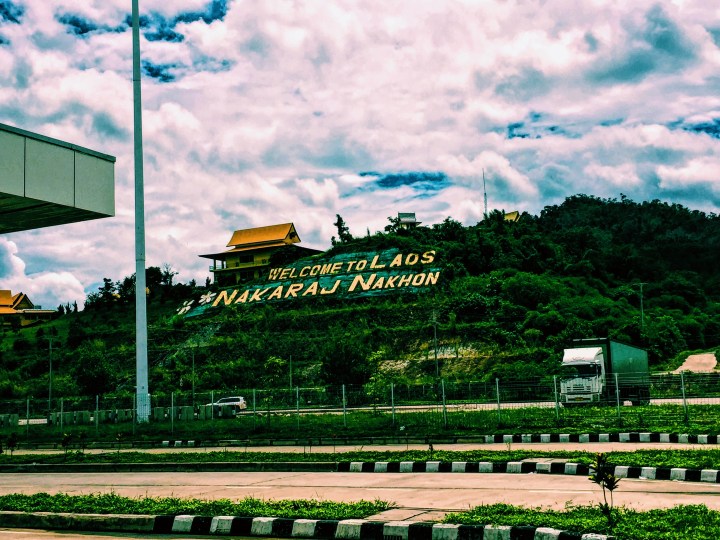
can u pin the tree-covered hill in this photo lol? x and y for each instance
(511, 296)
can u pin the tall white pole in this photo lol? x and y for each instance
(141, 360)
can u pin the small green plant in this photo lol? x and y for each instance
(12, 442)
(66, 441)
(603, 476)
(83, 442)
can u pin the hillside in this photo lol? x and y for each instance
(510, 295)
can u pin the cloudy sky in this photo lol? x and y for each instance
(263, 112)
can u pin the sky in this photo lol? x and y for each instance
(276, 111)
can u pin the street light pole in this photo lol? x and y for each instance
(141, 339)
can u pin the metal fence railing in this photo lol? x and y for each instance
(684, 399)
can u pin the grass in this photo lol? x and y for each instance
(689, 459)
(678, 523)
(695, 522)
(700, 419)
(110, 503)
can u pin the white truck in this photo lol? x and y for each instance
(604, 370)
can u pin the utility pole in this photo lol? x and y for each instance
(434, 321)
(642, 311)
(50, 381)
(485, 215)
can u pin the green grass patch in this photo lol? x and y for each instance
(689, 459)
(110, 503)
(428, 426)
(678, 523)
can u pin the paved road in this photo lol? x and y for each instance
(417, 496)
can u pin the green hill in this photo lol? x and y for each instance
(508, 297)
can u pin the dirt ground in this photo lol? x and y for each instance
(699, 363)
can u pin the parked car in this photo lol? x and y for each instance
(233, 403)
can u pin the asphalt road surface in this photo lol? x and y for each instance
(423, 496)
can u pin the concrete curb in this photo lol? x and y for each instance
(484, 467)
(230, 466)
(629, 437)
(529, 467)
(350, 529)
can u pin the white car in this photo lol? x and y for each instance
(236, 404)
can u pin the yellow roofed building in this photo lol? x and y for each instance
(249, 256)
(17, 309)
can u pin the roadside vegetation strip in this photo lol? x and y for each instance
(678, 523)
(110, 503)
(575, 522)
(687, 459)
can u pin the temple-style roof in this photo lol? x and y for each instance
(284, 233)
(11, 303)
(258, 238)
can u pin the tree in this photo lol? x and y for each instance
(394, 226)
(61, 309)
(126, 289)
(343, 231)
(93, 371)
(167, 275)
(108, 291)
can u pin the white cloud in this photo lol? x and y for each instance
(275, 110)
(47, 289)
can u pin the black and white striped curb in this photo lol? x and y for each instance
(529, 467)
(629, 437)
(178, 444)
(350, 529)
(359, 529)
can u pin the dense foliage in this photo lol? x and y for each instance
(513, 294)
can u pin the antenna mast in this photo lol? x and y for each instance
(485, 215)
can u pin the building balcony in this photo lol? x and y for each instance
(239, 266)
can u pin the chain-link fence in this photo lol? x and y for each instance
(684, 401)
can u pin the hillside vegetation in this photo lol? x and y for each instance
(512, 295)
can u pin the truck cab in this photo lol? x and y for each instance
(582, 375)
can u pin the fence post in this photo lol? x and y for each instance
(297, 406)
(27, 419)
(392, 401)
(617, 394)
(682, 386)
(212, 406)
(344, 407)
(254, 409)
(62, 413)
(172, 413)
(557, 406)
(442, 385)
(97, 413)
(497, 392)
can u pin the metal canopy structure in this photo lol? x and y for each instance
(45, 182)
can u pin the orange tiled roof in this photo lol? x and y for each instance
(6, 298)
(260, 235)
(13, 301)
